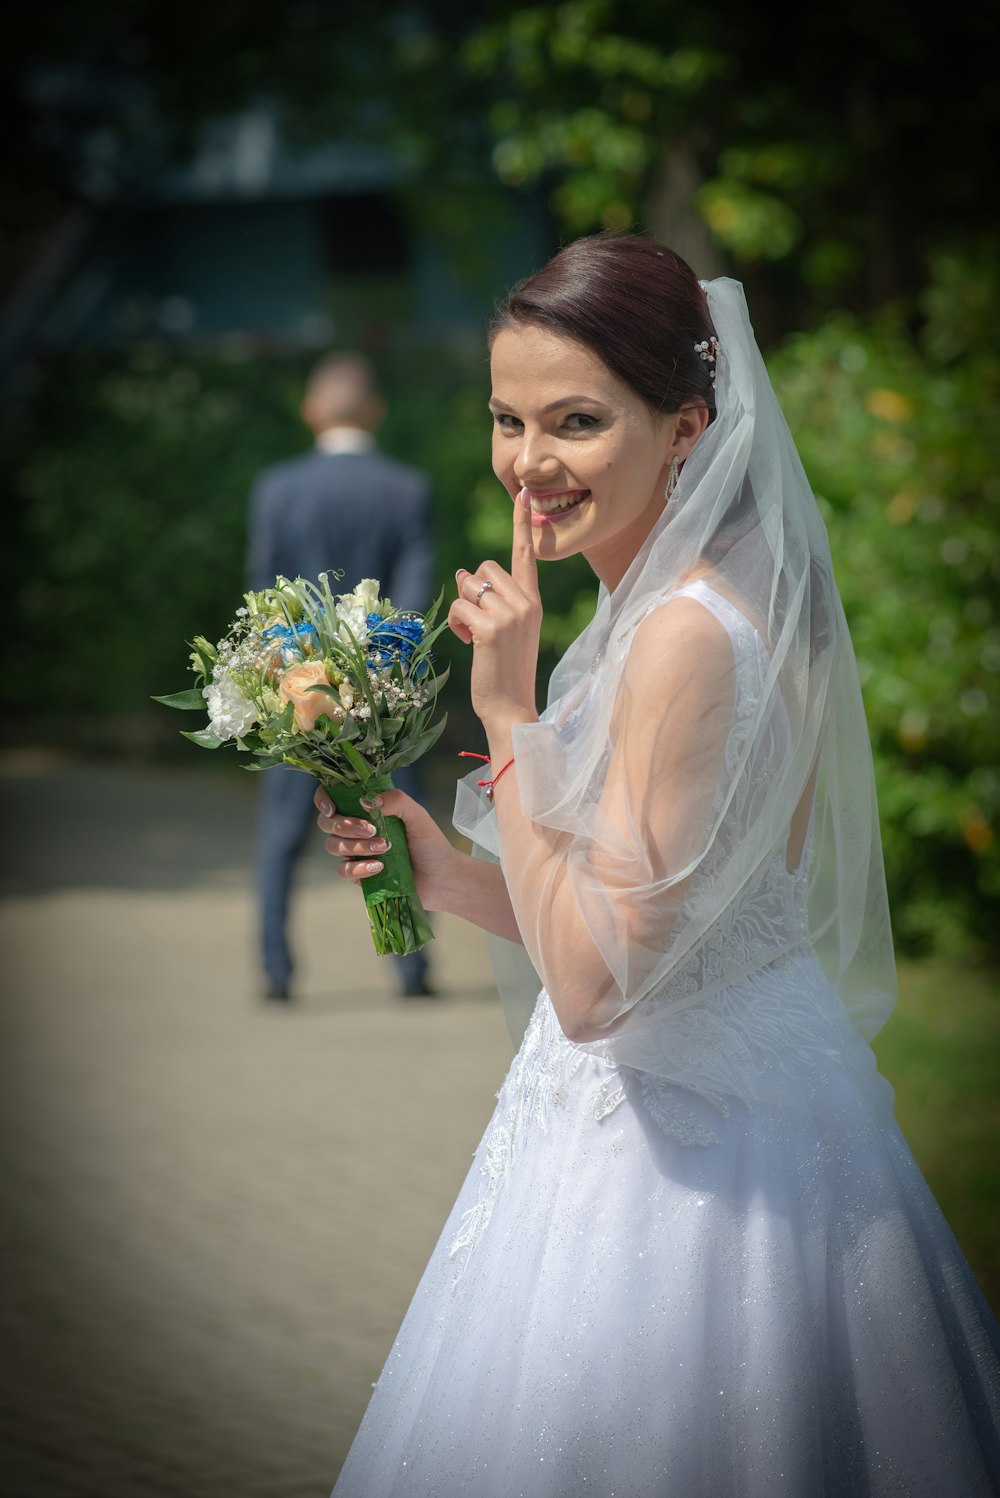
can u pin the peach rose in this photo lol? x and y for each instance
(309, 705)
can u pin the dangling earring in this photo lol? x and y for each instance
(672, 477)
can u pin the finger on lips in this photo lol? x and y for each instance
(523, 562)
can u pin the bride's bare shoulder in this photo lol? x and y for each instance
(681, 641)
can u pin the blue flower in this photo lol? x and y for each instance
(393, 639)
(293, 642)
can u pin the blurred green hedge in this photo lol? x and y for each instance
(901, 439)
(130, 475)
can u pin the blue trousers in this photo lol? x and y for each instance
(286, 817)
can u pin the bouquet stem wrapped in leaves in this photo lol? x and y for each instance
(341, 686)
(398, 920)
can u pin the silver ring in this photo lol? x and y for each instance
(486, 588)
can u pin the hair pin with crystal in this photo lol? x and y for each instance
(707, 350)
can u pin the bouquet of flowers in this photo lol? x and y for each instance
(340, 685)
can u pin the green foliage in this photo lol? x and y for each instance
(940, 1052)
(843, 165)
(130, 478)
(585, 106)
(753, 225)
(900, 440)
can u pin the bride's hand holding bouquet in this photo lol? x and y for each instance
(341, 686)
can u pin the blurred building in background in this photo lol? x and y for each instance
(254, 245)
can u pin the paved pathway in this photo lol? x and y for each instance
(215, 1211)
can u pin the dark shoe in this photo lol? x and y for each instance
(417, 988)
(277, 993)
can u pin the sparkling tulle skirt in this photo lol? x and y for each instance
(614, 1312)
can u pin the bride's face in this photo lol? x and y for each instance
(592, 456)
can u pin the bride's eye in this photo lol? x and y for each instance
(506, 422)
(580, 421)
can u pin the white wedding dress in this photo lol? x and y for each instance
(648, 1290)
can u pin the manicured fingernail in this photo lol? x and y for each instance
(373, 868)
(326, 808)
(378, 845)
(524, 498)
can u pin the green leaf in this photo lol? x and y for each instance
(265, 762)
(352, 756)
(432, 614)
(203, 739)
(329, 726)
(430, 637)
(190, 701)
(416, 748)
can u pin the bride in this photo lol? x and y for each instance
(694, 1255)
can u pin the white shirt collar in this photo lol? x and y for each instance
(345, 440)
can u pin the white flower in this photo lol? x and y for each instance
(353, 608)
(355, 618)
(230, 713)
(365, 595)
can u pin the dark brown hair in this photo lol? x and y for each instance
(633, 303)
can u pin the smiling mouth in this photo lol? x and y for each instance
(546, 507)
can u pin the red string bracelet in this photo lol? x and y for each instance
(486, 784)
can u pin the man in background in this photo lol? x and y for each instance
(348, 508)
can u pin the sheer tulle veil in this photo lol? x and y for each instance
(744, 520)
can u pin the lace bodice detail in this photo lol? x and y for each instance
(770, 915)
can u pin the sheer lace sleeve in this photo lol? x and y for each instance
(628, 845)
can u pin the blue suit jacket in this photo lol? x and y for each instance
(361, 514)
